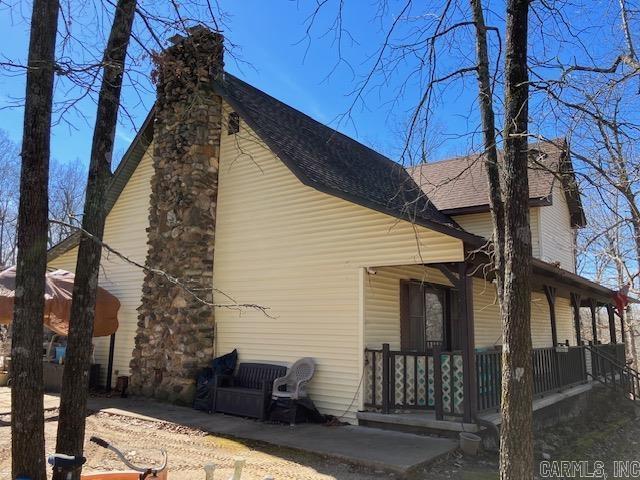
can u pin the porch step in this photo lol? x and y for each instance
(424, 423)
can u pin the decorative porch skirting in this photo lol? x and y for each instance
(411, 380)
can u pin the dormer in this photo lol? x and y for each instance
(459, 188)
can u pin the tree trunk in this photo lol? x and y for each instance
(512, 235)
(27, 416)
(75, 380)
(485, 98)
(516, 442)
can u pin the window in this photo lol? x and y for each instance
(234, 123)
(426, 314)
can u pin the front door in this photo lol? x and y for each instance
(425, 316)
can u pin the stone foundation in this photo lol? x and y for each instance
(175, 331)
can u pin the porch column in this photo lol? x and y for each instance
(550, 293)
(612, 324)
(465, 288)
(623, 340)
(593, 306)
(575, 302)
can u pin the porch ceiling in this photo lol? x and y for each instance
(564, 281)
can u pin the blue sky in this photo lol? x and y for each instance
(276, 57)
(302, 72)
(271, 39)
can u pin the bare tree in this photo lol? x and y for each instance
(9, 189)
(27, 416)
(89, 72)
(66, 195)
(509, 202)
(66, 198)
(73, 399)
(554, 66)
(516, 431)
(508, 178)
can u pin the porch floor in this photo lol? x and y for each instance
(417, 420)
(427, 419)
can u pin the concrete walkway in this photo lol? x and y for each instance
(50, 401)
(369, 447)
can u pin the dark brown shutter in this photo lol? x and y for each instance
(405, 319)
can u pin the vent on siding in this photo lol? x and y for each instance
(234, 123)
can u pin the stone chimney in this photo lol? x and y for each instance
(175, 331)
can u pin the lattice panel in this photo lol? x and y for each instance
(369, 374)
(422, 398)
(431, 387)
(452, 384)
(445, 366)
(398, 380)
(458, 384)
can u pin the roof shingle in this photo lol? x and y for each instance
(459, 185)
(330, 161)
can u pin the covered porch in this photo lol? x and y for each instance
(432, 340)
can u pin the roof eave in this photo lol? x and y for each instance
(291, 165)
(546, 269)
(484, 208)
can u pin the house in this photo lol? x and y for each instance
(360, 263)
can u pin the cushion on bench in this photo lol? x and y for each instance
(248, 391)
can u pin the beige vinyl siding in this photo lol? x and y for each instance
(557, 236)
(477, 223)
(487, 318)
(564, 321)
(481, 224)
(300, 253)
(125, 232)
(382, 301)
(382, 309)
(486, 314)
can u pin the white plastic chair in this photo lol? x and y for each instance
(295, 381)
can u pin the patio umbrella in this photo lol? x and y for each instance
(57, 297)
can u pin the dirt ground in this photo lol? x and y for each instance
(189, 450)
(616, 437)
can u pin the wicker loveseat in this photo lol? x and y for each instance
(248, 392)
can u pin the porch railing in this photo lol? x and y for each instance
(614, 351)
(404, 380)
(433, 380)
(610, 368)
(489, 378)
(554, 369)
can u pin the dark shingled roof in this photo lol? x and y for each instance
(459, 185)
(331, 162)
(319, 156)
